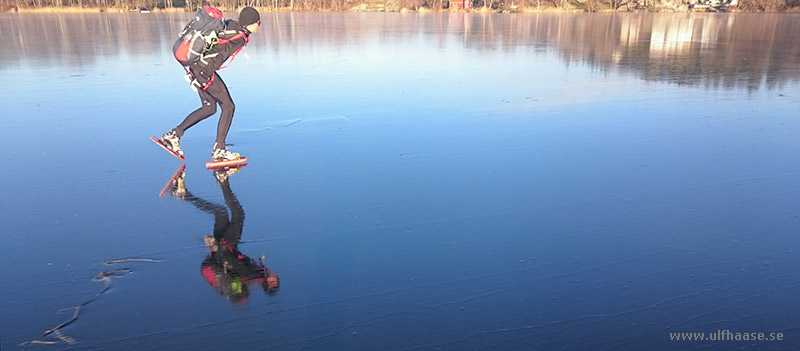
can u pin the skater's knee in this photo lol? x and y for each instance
(227, 109)
(227, 106)
(209, 107)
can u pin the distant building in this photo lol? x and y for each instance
(460, 4)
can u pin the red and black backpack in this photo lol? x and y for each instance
(199, 35)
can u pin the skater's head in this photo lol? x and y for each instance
(271, 283)
(250, 19)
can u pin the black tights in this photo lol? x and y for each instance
(217, 93)
(226, 228)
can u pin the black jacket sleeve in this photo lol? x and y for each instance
(211, 61)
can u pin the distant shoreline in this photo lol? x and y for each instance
(549, 9)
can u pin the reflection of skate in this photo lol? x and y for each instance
(223, 173)
(178, 178)
(179, 188)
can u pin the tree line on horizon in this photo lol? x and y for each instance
(654, 48)
(396, 5)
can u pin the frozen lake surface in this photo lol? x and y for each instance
(416, 182)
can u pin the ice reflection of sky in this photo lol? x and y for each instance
(469, 182)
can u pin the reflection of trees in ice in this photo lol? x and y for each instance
(79, 39)
(745, 50)
(720, 51)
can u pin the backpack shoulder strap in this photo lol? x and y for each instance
(234, 36)
(237, 36)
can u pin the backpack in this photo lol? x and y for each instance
(199, 35)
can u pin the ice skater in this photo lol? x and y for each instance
(204, 78)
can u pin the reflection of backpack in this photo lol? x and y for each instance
(199, 35)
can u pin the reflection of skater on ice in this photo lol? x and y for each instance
(226, 268)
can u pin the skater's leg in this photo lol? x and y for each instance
(234, 231)
(221, 221)
(219, 92)
(207, 109)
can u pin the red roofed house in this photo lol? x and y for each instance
(460, 4)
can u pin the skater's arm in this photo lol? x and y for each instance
(204, 68)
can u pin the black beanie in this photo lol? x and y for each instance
(248, 16)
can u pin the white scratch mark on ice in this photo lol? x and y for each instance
(623, 198)
(292, 122)
(256, 129)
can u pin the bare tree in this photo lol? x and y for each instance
(763, 5)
